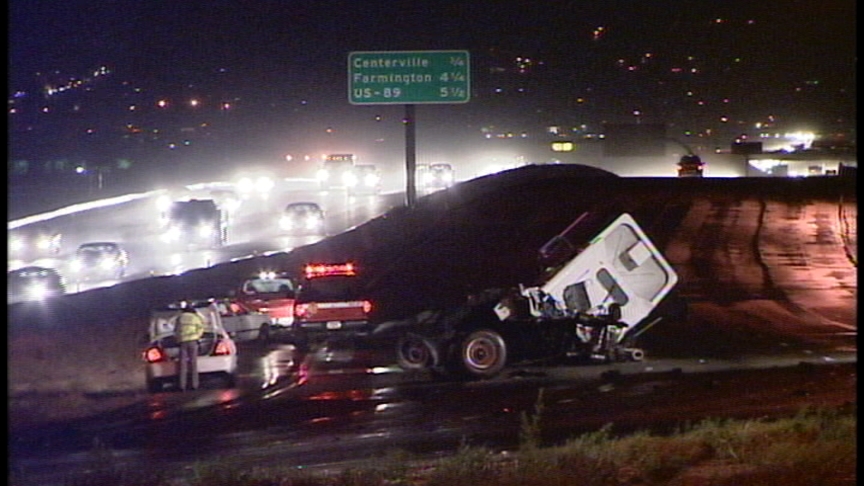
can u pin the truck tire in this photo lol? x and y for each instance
(415, 353)
(483, 353)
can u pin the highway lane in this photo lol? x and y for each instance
(133, 221)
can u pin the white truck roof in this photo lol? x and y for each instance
(620, 265)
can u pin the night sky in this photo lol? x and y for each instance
(683, 63)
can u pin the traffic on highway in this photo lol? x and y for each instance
(161, 233)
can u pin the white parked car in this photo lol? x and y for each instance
(242, 322)
(217, 354)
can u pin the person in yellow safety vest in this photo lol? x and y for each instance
(189, 329)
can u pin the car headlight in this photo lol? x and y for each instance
(163, 203)
(313, 222)
(75, 266)
(106, 263)
(244, 185)
(205, 230)
(16, 244)
(286, 223)
(43, 243)
(264, 184)
(37, 291)
(231, 205)
(322, 175)
(371, 180)
(349, 179)
(173, 234)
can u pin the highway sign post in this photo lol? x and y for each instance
(409, 78)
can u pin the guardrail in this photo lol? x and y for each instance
(77, 208)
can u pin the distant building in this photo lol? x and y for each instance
(804, 163)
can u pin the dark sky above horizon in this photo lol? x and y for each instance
(161, 35)
(755, 53)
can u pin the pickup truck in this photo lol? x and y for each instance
(271, 293)
(329, 303)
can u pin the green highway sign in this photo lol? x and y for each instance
(408, 77)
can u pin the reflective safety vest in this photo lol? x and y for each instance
(190, 327)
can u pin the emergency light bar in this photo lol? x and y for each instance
(328, 270)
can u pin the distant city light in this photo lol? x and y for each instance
(598, 33)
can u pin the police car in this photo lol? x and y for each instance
(217, 351)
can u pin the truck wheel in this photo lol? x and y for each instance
(414, 353)
(483, 353)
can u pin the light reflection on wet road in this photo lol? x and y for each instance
(325, 406)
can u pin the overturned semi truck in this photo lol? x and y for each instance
(598, 292)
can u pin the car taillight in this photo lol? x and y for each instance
(300, 310)
(154, 355)
(222, 349)
(367, 306)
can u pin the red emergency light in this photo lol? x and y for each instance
(316, 270)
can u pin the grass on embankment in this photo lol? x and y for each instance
(814, 447)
